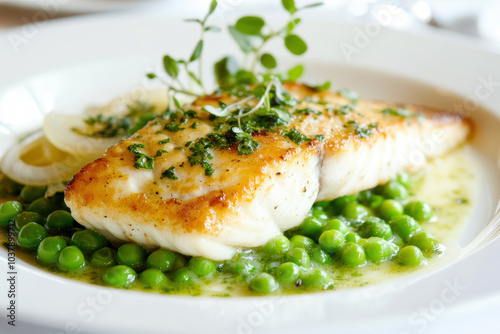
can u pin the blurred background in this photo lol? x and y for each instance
(479, 19)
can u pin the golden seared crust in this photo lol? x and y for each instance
(121, 201)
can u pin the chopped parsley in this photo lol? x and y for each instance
(343, 110)
(138, 115)
(350, 95)
(169, 174)
(362, 131)
(172, 127)
(164, 141)
(141, 160)
(398, 112)
(295, 136)
(160, 152)
(307, 111)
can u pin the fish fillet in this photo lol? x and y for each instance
(250, 199)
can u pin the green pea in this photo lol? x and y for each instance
(321, 205)
(30, 193)
(183, 275)
(49, 249)
(339, 203)
(404, 179)
(353, 210)
(352, 237)
(315, 278)
(311, 226)
(58, 201)
(410, 256)
(425, 242)
(270, 267)
(319, 214)
(243, 267)
(301, 241)
(374, 251)
(287, 273)
(298, 256)
(395, 190)
(161, 259)
(70, 258)
(27, 217)
(375, 228)
(419, 210)
(60, 219)
(88, 241)
(365, 195)
(277, 246)
(31, 235)
(378, 249)
(180, 262)
(153, 278)
(8, 211)
(201, 266)
(264, 283)
(43, 206)
(9, 187)
(390, 208)
(119, 276)
(319, 255)
(331, 240)
(104, 257)
(132, 255)
(352, 254)
(404, 226)
(375, 201)
(336, 224)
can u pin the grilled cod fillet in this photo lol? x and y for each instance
(250, 199)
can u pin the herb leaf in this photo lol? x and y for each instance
(323, 87)
(141, 159)
(398, 112)
(295, 44)
(268, 61)
(295, 73)
(213, 5)
(171, 66)
(295, 136)
(169, 173)
(246, 43)
(351, 95)
(312, 5)
(250, 25)
(197, 51)
(289, 5)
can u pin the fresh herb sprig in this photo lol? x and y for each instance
(174, 66)
(252, 34)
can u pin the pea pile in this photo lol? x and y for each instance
(366, 229)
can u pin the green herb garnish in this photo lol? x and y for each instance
(164, 141)
(141, 160)
(362, 131)
(100, 126)
(295, 136)
(398, 112)
(351, 95)
(169, 173)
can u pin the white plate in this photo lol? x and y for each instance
(81, 6)
(108, 55)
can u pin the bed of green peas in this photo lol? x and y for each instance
(374, 226)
